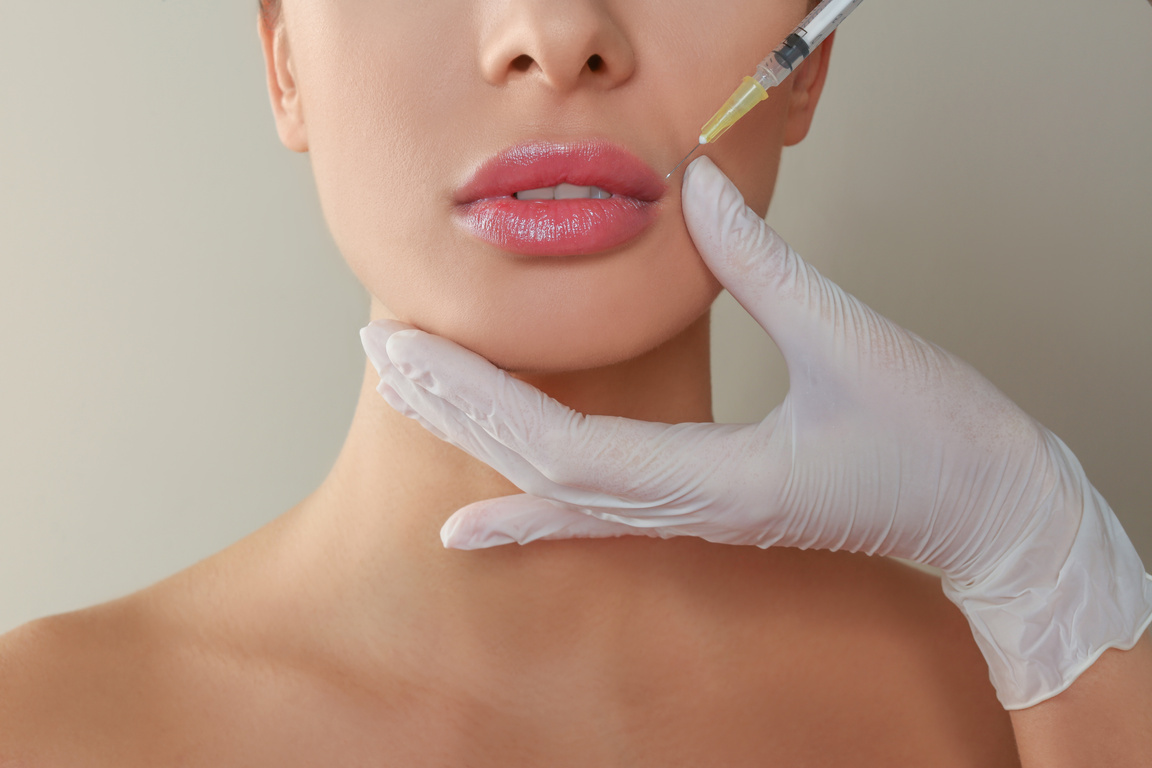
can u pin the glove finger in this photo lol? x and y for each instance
(789, 298)
(471, 437)
(733, 506)
(374, 337)
(454, 428)
(523, 518)
(392, 397)
(639, 464)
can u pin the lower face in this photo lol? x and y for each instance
(402, 105)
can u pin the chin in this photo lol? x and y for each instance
(542, 337)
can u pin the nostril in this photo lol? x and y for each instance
(595, 62)
(522, 62)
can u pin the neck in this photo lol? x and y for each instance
(396, 484)
(371, 530)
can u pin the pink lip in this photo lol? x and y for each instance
(487, 209)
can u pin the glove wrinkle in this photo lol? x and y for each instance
(884, 444)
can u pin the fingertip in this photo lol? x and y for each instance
(393, 398)
(458, 532)
(388, 325)
(703, 179)
(450, 534)
(714, 208)
(690, 169)
(374, 338)
(402, 349)
(702, 164)
(374, 348)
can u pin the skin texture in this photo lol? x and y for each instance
(1104, 718)
(388, 139)
(343, 633)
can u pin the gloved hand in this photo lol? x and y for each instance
(885, 444)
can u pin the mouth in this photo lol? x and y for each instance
(545, 199)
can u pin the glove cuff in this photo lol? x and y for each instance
(1038, 632)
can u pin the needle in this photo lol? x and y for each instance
(681, 162)
(816, 27)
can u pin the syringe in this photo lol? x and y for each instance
(812, 31)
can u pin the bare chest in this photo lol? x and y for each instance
(793, 709)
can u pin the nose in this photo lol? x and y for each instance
(567, 44)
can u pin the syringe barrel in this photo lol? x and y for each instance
(824, 19)
(813, 30)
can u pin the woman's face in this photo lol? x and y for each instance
(400, 103)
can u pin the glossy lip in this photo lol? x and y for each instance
(486, 208)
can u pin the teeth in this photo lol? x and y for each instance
(545, 193)
(563, 192)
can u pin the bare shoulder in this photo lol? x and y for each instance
(22, 692)
(145, 681)
(38, 665)
(69, 685)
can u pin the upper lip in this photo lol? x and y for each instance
(544, 164)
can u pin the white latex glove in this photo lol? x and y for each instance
(885, 444)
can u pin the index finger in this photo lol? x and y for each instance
(645, 464)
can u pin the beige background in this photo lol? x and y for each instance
(178, 336)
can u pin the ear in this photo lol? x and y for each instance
(286, 105)
(807, 85)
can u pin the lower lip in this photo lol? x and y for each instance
(557, 227)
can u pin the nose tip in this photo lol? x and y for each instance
(565, 45)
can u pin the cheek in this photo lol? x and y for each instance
(749, 153)
(713, 56)
(375, 114)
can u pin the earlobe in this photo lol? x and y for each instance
(807, 85)
(286, 105)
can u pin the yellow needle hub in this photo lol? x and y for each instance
(749, 94)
